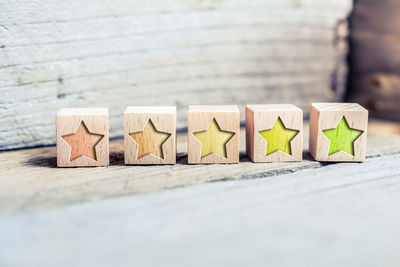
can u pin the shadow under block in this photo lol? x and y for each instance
(150, 135)
(213, 134)
(274, 133)
(82, 137)
(338, 131)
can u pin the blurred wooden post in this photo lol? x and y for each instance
(375, 57)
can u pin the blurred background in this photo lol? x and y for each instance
(119, 53)
(116, 53)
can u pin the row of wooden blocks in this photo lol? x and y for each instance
(338, 132)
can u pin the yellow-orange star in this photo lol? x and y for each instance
(213, 140)
(83, 142)
(150, 141)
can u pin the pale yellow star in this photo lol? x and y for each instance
(150, 141)
(213, 140)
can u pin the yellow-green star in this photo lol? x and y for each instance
(213, 140)
(279, 138)
(342, 137)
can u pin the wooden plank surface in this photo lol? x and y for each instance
(268, 214)
(344, 214)
(121, 53)
(30, 180)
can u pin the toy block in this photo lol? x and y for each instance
(274, 133)
(150, 135)
(213, 134)
(82, 137)
(338, 131)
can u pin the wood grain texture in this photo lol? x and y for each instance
(150, 135)
(29, 179)
(122, 53)
(82, 137)
(214, 130)
(82, 142)
(375, 72)
(344, 214)
(263, 117)
(326, 116)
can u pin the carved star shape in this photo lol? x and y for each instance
(342, 137)
(150, 141)
(213, 140)
(83, 142)
(279, 138)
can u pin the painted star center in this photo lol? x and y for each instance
(150, 141)
(342, 137)
(83, 142)
(279, 138)
(213, 140)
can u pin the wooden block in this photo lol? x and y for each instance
(338, 131)
(274, 133)
(150, 135)
(213, 134)
(82, 137)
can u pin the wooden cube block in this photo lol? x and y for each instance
(82, 137)
(213, 134)
(338, 131)
(274, 133)
(150, 135)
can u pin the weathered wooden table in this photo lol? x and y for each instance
(278, 214)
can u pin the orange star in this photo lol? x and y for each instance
(150, 141)
(83, 142)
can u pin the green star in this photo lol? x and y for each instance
(342, 137)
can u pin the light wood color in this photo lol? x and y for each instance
(324, 116)
(30, 179)
(82, 137)
(56, 54)
(264, 117)
(150, 135)
(217, 130)
(384, 127)
(82, 142)
(332, 215)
